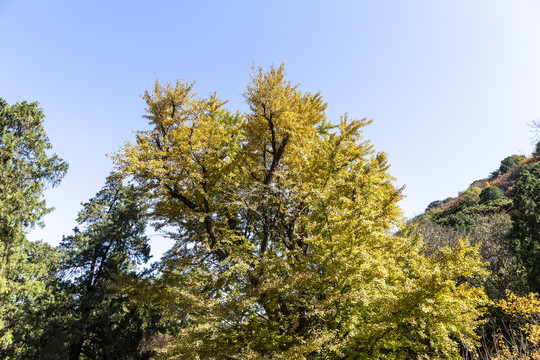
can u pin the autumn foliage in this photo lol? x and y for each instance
(283, 225)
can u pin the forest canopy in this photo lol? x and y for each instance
(288, 243)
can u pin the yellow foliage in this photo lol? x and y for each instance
(525, 310)
(283, 235)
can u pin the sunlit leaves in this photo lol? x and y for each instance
(521, 342)
(283, 226)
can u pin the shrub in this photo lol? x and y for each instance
(509, 161)
(490, 193)
(472, 190)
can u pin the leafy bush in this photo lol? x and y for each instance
(498, 206)
(490, 193)
(507, 163)
(473, 191)
(510, 161)
(455, 215)
(466, 209)
(458, 220)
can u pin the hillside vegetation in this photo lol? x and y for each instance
(501, 216)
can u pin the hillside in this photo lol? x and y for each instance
(489, 213)
(492, 195)
(501, 216)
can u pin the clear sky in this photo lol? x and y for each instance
(450, 84)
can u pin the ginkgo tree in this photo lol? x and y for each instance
(284, 227)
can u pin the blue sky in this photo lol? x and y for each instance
(451, 85)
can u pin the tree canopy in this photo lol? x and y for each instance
(98, 322)
(26, 170)
(80, 315)
(526, 222)
(283, 225)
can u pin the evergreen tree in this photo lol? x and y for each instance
(526, 222)
(81, 316)
(26, 170)
(111, 243)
